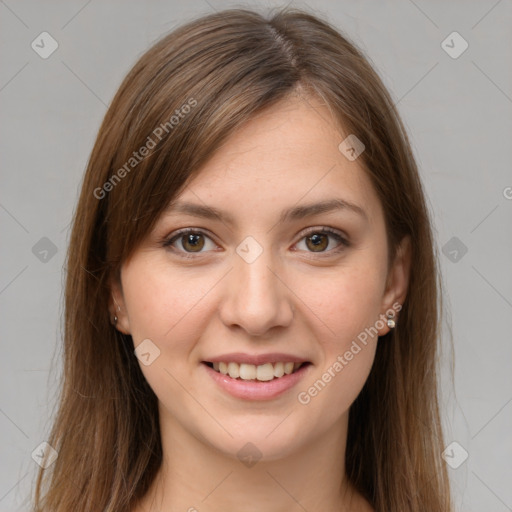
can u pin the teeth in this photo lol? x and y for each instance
(288, 368)
(278, 369)
(234, 370)
(264, 372)
(247, 371)
(223, 368)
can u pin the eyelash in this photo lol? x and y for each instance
(343, 242)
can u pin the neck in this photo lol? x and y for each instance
(195, 476)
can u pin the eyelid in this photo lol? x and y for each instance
(174, 234)
(322, 229)
(341, 237)
(337, 234)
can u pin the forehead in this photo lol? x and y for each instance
(285, 155)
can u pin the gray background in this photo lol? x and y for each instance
(458, 112)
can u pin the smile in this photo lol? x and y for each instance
(250, 372)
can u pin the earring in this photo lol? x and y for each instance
(391, 322)
(118, 309)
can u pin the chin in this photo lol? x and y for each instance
(260, 438)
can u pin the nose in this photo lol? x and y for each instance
(255, 297)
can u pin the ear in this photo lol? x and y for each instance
(397, 283)
(117, 307)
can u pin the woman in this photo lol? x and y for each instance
(251, 299)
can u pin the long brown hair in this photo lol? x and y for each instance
(180, 102)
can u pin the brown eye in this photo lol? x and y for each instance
(187, 242)
(317, 242)
(192, 242)
(325, 241)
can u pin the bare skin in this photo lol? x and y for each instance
(302, 295)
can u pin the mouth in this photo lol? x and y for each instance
(256, 373)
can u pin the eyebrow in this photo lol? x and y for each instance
(291, 214)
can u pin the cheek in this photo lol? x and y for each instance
(171, 309)
(348, 303)
(163, 304)
(336, 386)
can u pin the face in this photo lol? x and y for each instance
(272, 260)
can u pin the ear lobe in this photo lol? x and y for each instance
(398, 279)
(117, 308)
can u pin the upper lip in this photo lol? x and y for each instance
(256, 359)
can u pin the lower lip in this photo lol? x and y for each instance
(257, 390)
